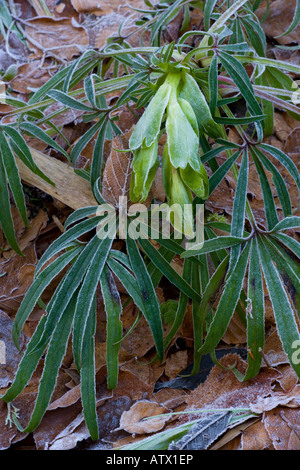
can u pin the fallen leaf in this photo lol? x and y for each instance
(290, 399)
(117, 173)
(255, 437)
(279, 19)
(12, 355)
(62, 38)
(223, 390)
(31, 76)
(175, 363)
(133, 421)
(283, 428)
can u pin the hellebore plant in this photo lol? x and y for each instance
(188, 96)
(181, 104)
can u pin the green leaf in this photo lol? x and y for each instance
(80, 214)
(128, 281)
(285, 160)
(295, 22)
(55, 354)
(167, 270)
(239, 207)
(255, 314)
(85, 139)
(291, 243)
(182, 304)
(151, 308)
(97, 159)
(215, 244)
(86, 295)
(37, 288)
(35, 131)
(163, 19)
(284, 316)
(67, 239)
(213, 83)
(239, 121)
(241, 79)
(88, 374)
(114, 330)
(287, 223)
(220, 173)
(6, 219)
(70, 283)
(208, 10)
(227, 303)
(270, 208)
(288, 271)
(21, 149)
(279, 182)
(68, 101)
(14, 180)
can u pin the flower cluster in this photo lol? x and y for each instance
(181, 105)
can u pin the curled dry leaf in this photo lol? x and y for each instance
(283, 427)
(290, 399)
(133, 420)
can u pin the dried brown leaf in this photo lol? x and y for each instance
(223, 390)
(290, 399)
(133, 421)
(279, 19)
(61, 38)
(255, 437)
(283, 427)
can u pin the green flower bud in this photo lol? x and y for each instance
(144, 166)
(197, 181)
(183, 140)
(147, 129)
(179, 197)
(191, 92)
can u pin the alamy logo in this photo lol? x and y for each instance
(2, 353)
(136, 221)
(296, 94)
(2, 92)
(296, 354)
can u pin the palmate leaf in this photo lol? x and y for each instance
(227, 303)
(86, 296)
(270, 208)
(255, 314)
(151, 307)
(283, 311)
(37, 288)
(55, 354)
